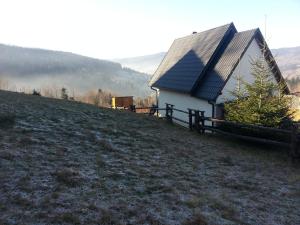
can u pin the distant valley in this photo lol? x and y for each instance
(27, 69)
(288, 60)
(146, 64)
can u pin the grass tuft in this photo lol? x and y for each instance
(7, 119)
(67, 217)
(7, 155)
(197, 219)
(69, 177)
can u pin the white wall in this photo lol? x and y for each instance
(183, 102)
(295, 102)
(243, 70)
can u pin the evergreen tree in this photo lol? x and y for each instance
(261, 102)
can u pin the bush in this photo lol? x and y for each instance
(37, 93)
(68, 176)
(64, 93)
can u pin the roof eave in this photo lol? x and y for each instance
(270, 59)
(233, 68)
(268, 56)
(170, 89)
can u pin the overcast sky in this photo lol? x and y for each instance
(115, 29)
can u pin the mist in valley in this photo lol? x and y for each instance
(26, 69)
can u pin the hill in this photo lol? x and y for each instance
(146, 64)
(64, 162)
(288, 60)
(41, 69)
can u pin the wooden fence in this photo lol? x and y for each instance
(197, 121)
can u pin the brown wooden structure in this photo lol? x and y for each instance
(123, 102)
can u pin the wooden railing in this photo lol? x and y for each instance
(196, 120)
(149, 110)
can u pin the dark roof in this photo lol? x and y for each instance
(215, 79)
(201, 64)
(188, 57)
(270, 59)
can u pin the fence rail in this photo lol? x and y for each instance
(196, 121)
(248, 138)
(248, 125)
(182, 111)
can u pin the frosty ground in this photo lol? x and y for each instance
(64, 162)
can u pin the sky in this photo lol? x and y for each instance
(126, 28)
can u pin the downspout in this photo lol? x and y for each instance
(156, 95)
(212, 111)
(213, 104)
(212, 108)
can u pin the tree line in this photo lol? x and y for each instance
(99, 98)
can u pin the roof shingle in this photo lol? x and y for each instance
(200, 64)
(215, 78)
(187, 58)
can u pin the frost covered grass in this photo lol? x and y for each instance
(65, 162)
(7, 116)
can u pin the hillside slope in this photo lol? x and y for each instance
(146, 64)
(288, 60)
(40, 69)
(64, 162)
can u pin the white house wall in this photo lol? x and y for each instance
(182, 102)
(243, 70)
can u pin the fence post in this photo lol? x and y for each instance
(190, 119)
(132, 108)
(197, 120)
(202, 122)
(152, 110)
(169, 112)
(294, 142)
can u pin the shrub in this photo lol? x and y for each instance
(37, 93)
(68, 176)
(66, 217)
(197, 219)
(64, 93)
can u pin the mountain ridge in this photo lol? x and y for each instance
(36, 68)
(288, 60)
(145, 63)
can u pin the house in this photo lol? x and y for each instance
(200, 70)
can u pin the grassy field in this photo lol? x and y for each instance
(64, 162)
